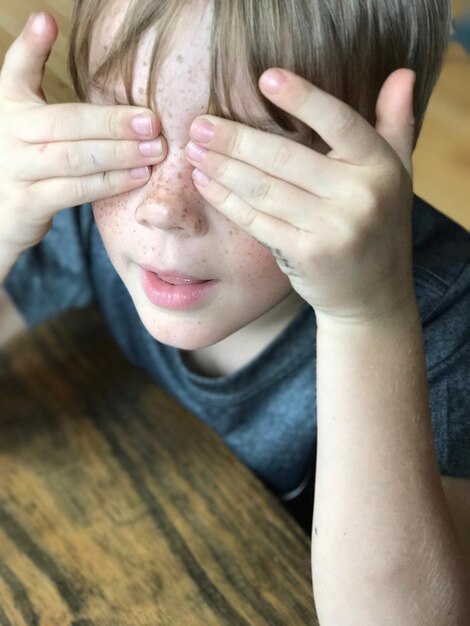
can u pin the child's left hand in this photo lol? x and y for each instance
(339, 225)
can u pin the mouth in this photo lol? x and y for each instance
(173, 290)
(174, 277)
(181, 279)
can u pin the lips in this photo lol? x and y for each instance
(179, 279)
(174, 290)
(174, 277)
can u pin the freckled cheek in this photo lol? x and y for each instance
(253, 261)
(110, 217)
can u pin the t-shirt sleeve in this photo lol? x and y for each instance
(54, 275)
(447, 344)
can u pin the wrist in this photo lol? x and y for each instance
(403, 315)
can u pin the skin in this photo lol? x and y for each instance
(279, 223)
(167, 224)
(339, 226)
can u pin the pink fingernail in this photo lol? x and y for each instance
(272, 81)
(38, 23)
(140, 172)
(142, 124)
(201, 179)
(202, 130)
(195, 152)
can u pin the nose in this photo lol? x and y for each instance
(171, 202)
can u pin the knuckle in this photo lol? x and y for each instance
(117, 153)
(113, 124)
(248, 216)
(72, 157)
(114, 182)
(78, 189)
(223, 169)
(281, 157)
(369, 207)
(346, 123)
(53, 124)
(236, 144)
(262, 188)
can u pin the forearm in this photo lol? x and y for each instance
(384, 547)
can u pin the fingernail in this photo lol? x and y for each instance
(142, 124)
(37, 23)
(195, 152)
(202, 130)
(272, 81)
(201, 179)
(151, 148)
(139, 172)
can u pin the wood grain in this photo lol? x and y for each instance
(118, 507)
(442, 157)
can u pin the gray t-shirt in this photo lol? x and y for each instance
(266, 411)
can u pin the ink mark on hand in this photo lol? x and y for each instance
(278, 255)
(281, 259)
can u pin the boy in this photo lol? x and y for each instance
(291, 259)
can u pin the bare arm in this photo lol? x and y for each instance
(384, 547)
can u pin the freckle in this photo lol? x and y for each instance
(153, 249)
(179, 175)
(141, 90)
(145, 64)
(179, 58)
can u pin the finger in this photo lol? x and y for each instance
(262, 192)
(58, 193)
(265, 228)
(351, 137)
(23, 67)
(82, 158)
(75, 121)
(278, 156)
(395, 115)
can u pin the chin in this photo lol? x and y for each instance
(184, 334)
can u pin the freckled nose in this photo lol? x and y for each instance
(171, 202)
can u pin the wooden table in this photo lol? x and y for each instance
(117, 507)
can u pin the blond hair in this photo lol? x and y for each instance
(347, 48)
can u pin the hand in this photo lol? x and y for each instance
(339, 225)
(59, 155)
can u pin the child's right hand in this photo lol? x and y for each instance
(54, 156)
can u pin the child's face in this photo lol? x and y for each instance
(167, 225)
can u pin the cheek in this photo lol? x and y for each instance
(253, 261)
(110, 218)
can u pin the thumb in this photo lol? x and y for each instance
(25, 60)
(395, 116)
